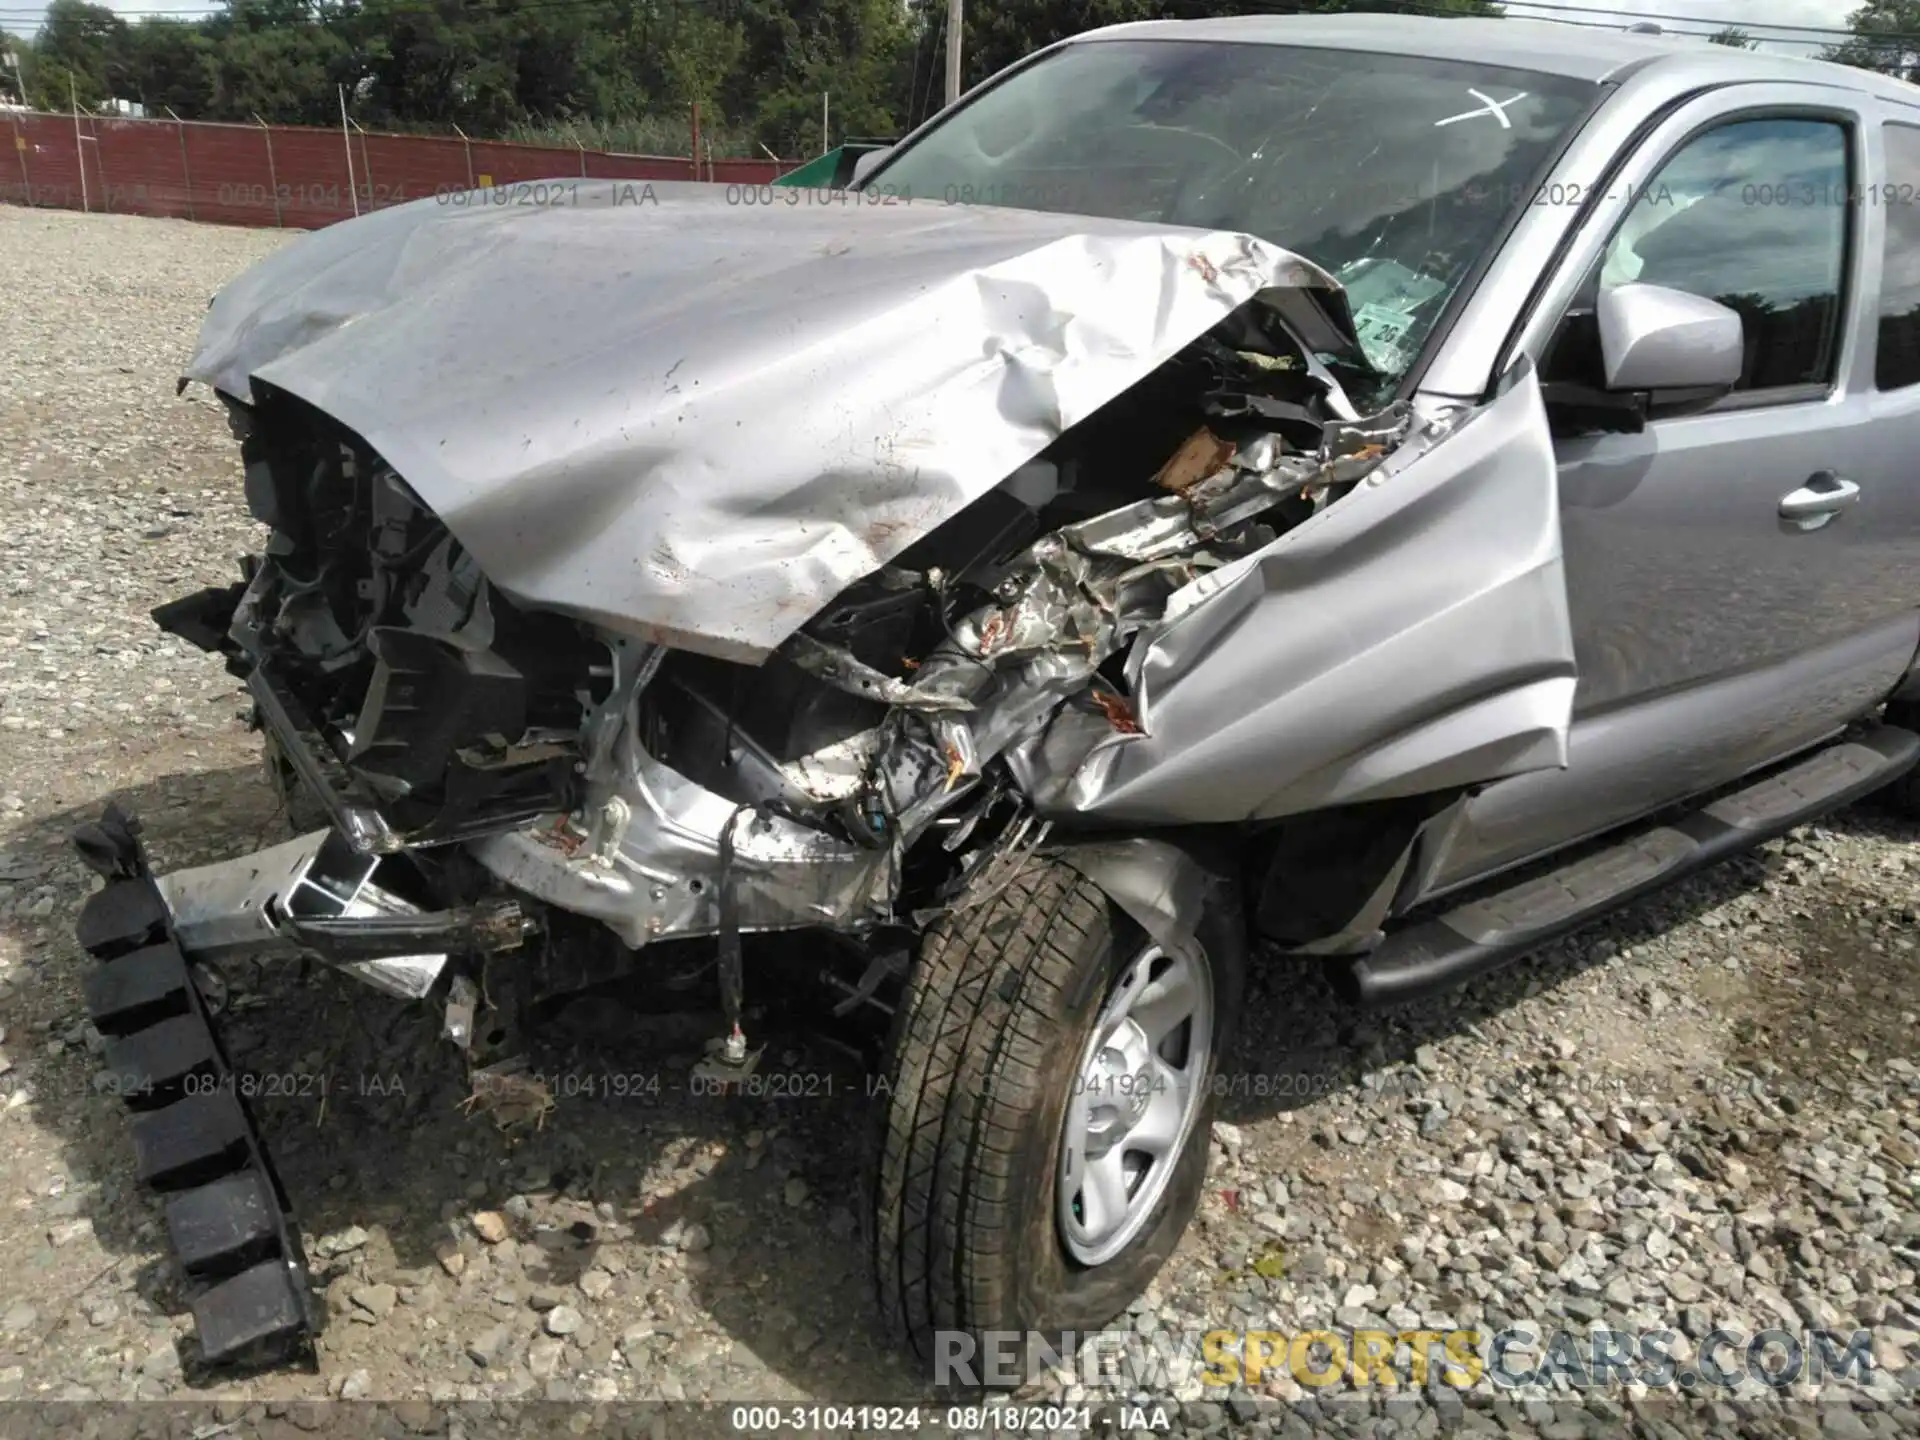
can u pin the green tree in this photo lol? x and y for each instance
(276, 59)
(702, 51)
(853, 51)
(1883, 38)
(80, 55)
(11, 84)
(1733, 37)
(595, 68)
(170, 66)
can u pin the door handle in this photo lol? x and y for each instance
(1825, 493)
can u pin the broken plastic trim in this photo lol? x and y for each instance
(227, 1216)
(352, 810)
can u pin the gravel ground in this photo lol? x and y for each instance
(1701, 1113)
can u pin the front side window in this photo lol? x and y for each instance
(1753, 214)
(1898, 362)
(1397, 174)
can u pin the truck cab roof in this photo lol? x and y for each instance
(1582, 52)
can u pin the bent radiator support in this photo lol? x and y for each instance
(227, 1216)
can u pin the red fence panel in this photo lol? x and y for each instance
(15, 188)
(233, 172)
(49, 162)
(398, 168)
(315, 188)
(142, 167)
(746, 172)
(611, 165)
(291, 175)
(495, 162)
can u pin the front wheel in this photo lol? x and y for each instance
(1043, 1125)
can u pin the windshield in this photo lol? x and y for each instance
(1395, 173)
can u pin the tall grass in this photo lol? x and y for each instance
(667, 134)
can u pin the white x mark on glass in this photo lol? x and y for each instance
(1488, 106)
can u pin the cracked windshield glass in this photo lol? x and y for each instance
(1396, 174)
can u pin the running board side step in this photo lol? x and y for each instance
(1486, 932)
(194, 1142)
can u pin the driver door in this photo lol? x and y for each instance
(1713, 633)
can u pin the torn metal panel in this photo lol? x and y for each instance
(663, 875)
(1160, 886)
(649, 860)
(226, 908)
(1411, 637)
(313, 895)
(1081, 595)
(698, 422)
(845, 672)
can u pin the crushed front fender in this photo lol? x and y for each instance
(1413, 637)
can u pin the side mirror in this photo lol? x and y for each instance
(1657, 339)
(865, 165)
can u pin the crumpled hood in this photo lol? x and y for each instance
(694, 418)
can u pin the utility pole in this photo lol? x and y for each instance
(346, 140)
(79, 151)
(953, 50)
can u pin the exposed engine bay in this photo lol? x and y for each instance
(859, 777)
(453, 711)
(685, 614)
(691, 613)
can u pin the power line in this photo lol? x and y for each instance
(218, 11)
(211, 10)
(1779, 34)
(338, 17)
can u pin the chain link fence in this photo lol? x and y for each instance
(290, 175)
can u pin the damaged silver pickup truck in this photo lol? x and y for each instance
(1022, 587)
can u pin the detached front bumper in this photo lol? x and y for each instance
(194, 1140)
(195, 1143)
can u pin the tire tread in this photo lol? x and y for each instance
(969, 1046)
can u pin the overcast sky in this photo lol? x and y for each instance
(1744, 13)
